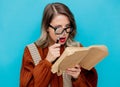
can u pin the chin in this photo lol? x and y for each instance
(62, 43)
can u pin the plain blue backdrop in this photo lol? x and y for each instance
(98, 22)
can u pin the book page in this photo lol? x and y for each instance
(87, 57)
(95, 55)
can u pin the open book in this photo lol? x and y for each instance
(87, 57)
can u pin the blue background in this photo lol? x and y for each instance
(98, 22)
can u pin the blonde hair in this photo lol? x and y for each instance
(49, 12)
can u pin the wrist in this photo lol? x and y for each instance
(75, 78)
(49, 59)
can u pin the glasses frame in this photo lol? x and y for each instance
(64, 29)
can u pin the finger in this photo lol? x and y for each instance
(73, 69)
(57, 53)
(70, 73)
(77, 66)
(73, 74)
(57, 49)
(56, 45)
(54, 51)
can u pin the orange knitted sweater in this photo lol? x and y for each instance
(41, 76)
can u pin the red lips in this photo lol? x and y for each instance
(62, 39)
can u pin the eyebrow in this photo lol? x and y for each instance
(67, 25)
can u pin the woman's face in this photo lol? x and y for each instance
(59, 28)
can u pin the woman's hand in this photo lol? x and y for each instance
(74, 72)
(53, 52)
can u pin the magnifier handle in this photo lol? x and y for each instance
(57, 40)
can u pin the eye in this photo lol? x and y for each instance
(57, 27)
(68, 25)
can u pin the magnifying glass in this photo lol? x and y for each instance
(57, 41)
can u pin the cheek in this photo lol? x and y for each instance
(67, 36)
(52, 35)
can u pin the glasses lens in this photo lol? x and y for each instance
(60, 30)
(68, 30)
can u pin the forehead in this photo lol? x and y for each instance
(60, 20)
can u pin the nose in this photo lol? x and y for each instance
(64, 33)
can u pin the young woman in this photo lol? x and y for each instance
(58, 31)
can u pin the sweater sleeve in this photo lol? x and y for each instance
(34, 76)
(86, 79)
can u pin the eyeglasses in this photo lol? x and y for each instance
(59, 30)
